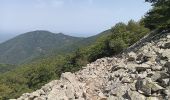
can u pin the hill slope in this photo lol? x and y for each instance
(32, 44)
(141, 74)
(6, 67)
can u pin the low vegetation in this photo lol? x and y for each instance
(6, 67)
(29, 77)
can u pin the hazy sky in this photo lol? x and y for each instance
(68, 16)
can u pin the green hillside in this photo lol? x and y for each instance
(6, 67)
(33, 44)
(29, 77)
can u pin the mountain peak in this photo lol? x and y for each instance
(31, 44)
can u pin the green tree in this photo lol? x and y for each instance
(159, 16)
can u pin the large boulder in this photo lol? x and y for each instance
(146, 86)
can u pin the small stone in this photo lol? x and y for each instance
(133, 95)
(102, 96)
(131, 56)
(166, 53)
(167, 65)
(165, 82)
(142, 67)
(156, 68)
(142, 75)
(126, 80)
(168, 36)
(152, 98)
(113, 98)
(132, 86)
(167, 46)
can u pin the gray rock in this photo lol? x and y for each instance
(132, 56)
(166, 53)
(142, 67)
(167, 65)
(133, 95)
(146, 86)
(126, 80)
(156, 68)
(152, 98)
(168, 36)
(165, 82)
(167, 46)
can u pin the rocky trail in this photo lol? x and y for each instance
(143, 74)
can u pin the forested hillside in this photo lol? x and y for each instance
(29, 77)
(6, 67)
(33, 44)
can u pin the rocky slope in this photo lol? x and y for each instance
(142, 74)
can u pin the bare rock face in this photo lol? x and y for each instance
(143, 74)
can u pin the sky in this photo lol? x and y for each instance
(72, 17)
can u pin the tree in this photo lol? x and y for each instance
(151, 1)
(159, 16)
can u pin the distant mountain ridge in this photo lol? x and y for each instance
(32, 44)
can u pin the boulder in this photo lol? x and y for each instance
(152, 98)
(156, 76)
(168, 36)
(132, 56)
(166, 53)
(167, 92)
(133, 95)
(142, 67)
(167, 65)
(146, 86)
(126, 80)
(156, 68)
(167, 46)
(142, 75)
(165, 82)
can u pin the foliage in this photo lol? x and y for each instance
(6, 67)
(121, 36)
(159, 16)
